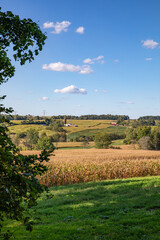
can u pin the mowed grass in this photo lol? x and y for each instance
(126, 209)
(86, 124)
(93, 132)
(84, 165)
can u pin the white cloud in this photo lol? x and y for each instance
(48, 25)
(150, 44)
(104, 91)
(128, 102)
(98, 59)
(95, 90)
(64, 67)
(116, 60)
(71, 90)
(58, 26)
(148, 59)
(85, 69)
(80, 30)
(44, 98)
(88, 61)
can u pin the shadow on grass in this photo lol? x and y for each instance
(116, 209)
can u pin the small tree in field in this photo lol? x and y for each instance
(32, 137)
(18, 182)
(102, 140)
(145, 143)
(44, 142)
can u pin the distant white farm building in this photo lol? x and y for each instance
(70, 125)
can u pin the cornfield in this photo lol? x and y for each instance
(83, 165)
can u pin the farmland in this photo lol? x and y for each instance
(84, 165)
(95, 193)
(75, 133)
(88, 127)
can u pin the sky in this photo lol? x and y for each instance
(100, 57)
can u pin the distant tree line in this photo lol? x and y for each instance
(97, 117)
(143, 122)
(82, 117)
(149, 117)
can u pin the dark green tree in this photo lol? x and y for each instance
(31, 139)
(131, 136)
(44, 142)
(143, 131)
(155, 137)
(102, 140)
(18, 182)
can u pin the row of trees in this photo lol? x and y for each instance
(149, 117)
(91, 116)
(82, 117)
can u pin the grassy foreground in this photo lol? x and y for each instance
(116, 209)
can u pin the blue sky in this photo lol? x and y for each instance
(100, 57)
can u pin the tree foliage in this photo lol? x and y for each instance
(146, 137)
(18, 182)
(26, 40)
(32, 137)
(44, 142)
(102, 140)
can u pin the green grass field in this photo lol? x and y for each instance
(112, 210)
(92, 132)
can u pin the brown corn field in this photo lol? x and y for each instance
(84, 165)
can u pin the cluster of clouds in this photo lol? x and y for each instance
(63, 26)
(67, 67)
(71, 90)
(59, 27)
(150, 44)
